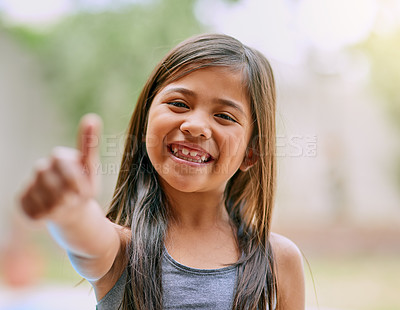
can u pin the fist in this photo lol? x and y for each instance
(67, 179)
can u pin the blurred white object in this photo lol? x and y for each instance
(48, 297)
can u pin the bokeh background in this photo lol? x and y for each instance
(337, 67)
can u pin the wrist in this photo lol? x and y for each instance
(70, 213)
(76, 229)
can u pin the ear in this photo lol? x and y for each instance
(249, 160)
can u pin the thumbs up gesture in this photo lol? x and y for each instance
(68, 178)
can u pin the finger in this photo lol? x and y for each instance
(65, 163)
(41, 165)
(51, 188)
(32, 204)
(89, 141)
(42, 194)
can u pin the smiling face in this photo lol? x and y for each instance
(198, 130)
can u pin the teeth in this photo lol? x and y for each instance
(181, 152)
(190, 159)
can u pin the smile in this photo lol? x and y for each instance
(189, 154)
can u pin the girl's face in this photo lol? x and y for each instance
(198, 130)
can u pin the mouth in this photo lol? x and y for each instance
(189, 154)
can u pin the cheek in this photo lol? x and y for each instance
(155, 130)
(234, 146)
(153, 140)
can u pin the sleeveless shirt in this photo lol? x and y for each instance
(184, 287)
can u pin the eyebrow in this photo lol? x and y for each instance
(231, 104)
(191, 93)
(181, 90)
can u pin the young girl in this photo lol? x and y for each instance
(189, 223)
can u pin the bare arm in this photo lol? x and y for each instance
(89, 238)
(290, 274)
(62, 194)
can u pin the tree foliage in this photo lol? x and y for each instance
(98, 62)
(383, 52)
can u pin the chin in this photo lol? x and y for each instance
(184, 184)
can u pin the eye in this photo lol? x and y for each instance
(225, 117)
(178, 104)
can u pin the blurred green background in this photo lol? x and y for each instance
(338, 74)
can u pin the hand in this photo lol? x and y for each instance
(67, 179)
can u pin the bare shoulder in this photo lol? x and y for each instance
(290, 274)
(285, 249)
(124, 233)
(104, 285)
(121, 259)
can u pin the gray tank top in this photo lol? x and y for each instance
(184, 287)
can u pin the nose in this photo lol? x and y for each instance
(197, 126)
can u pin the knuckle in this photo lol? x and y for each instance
(57, 155)
(64, 153)
(63, 164)
(58, 151)
(41, 165)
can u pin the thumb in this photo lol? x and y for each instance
(89, 133)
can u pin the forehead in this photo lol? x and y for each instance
(236, 71)
(214, 81)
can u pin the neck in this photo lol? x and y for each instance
(196, 210)
(199, 231)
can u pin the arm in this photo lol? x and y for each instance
(90, 239)
(62, 194)
(290, 274)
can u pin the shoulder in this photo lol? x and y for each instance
(290, 274)
(285, 249)
(121, 259)
(124, 233)
(104, 285)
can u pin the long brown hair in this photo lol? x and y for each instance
(139, 202)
